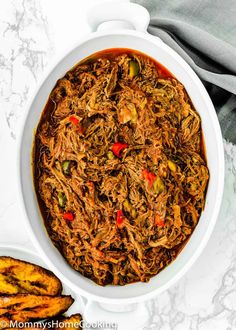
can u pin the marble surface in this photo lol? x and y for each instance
(32, 34)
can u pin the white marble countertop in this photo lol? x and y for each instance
(32, 34)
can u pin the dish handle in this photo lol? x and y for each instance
(120, 14)
(120, 317)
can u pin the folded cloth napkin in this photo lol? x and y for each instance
(203, 32)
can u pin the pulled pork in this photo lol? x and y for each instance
(119, 167)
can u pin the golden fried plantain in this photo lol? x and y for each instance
(27, 307)
(17, 276)
(71, 322)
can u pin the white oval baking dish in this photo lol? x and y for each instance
(134, 36)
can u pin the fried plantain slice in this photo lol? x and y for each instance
(17, 276)
(71, 322)
(27, 307)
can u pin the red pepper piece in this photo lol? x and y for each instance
(149, 177)
(74, 120)
(69, 216)
(118, 147)
(119, 218)
(159, 221)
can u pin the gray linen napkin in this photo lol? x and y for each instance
(203, 32)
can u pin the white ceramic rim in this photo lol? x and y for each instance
(18, 247)
(218, 193)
